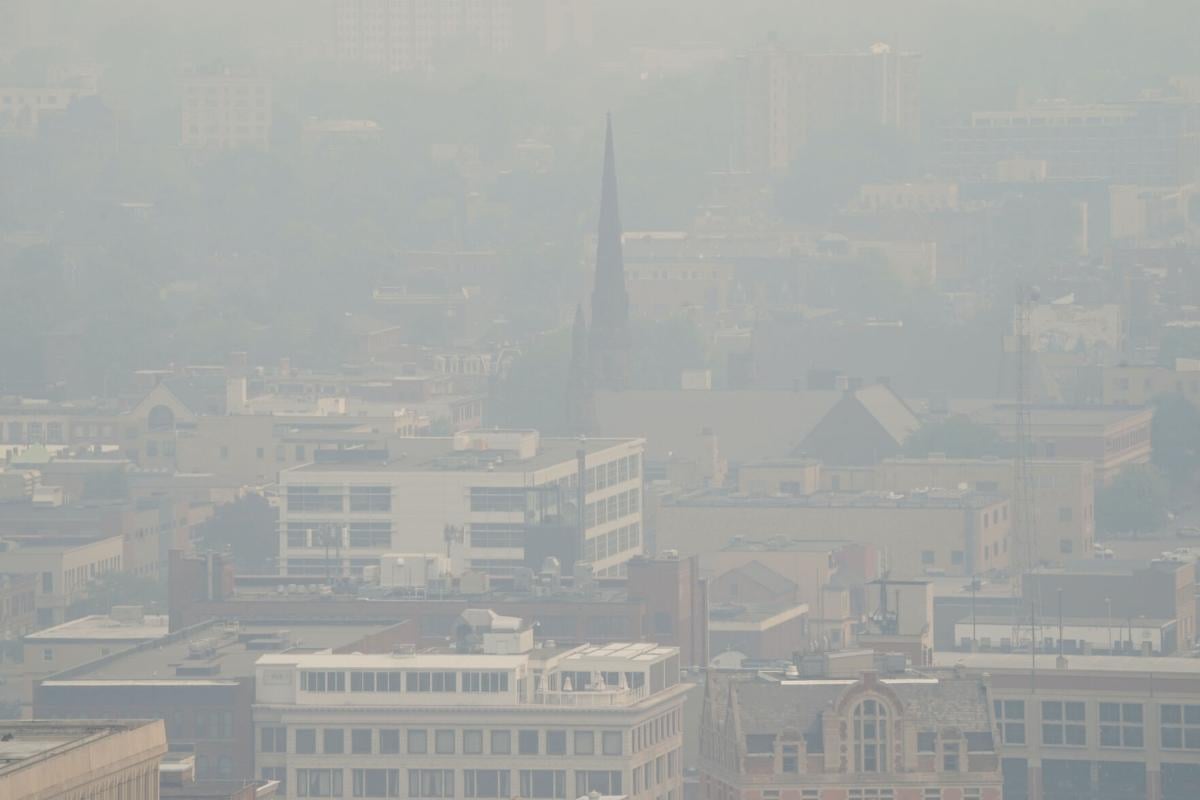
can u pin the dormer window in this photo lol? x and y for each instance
(870, 736)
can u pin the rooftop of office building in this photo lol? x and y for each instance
(474, 451)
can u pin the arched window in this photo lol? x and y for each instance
(870, 736)
(161, 418)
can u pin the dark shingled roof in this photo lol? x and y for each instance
(766, 706)
(761, 574)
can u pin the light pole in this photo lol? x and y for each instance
(1108, 604)
(974, 589)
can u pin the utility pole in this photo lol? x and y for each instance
(1108, 604)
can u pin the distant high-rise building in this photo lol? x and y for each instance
(610, 339)
(224, 109)
(1149, 142)
(405, 35)
(790, 97)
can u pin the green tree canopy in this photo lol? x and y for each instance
(1175, 437)
(120, 589)
(246, 528)
(1135, 502)
(956, 436)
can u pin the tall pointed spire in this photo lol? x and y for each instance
(581, 401)
(610, 338)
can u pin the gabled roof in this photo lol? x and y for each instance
(763, 575)
(892, 413)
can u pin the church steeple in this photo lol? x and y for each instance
(581, 401)
(610, 338)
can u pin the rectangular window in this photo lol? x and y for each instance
(334, 741)
(431, 681)
(501, 743)
(544, 784)
(389, 741)
(791, 758)
(1010, 719)
(498, 499)
(1180, 726)
(585, 743)
(486, 783)
(485, 681)
(556, 743)
(497, 534)
(606, 782)
(444, 742)
(297, 534)
(418, 741)
(276, 774)
(527, 743)
(370, 499)
(306, 741)
(472, 742)
(314, 498)
(1064, 723)
(273, 739)
(1121, 725)
(361, 741)
(431, 783)
(318, 783)
(322, 681)
(950, 761)
(389, 681)
(612, 743)
(376, 782)
(370, 534)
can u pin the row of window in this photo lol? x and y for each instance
(613, 543)
(1064, 723)
(417, 741)
(655, 772)
(615, 507)
(499, 499)
(873, 793)
(36, 432)
(656, 730)
(496, 534)
(411, 680)
(362, 499)
(437, 783)
(356, 535)
(604, 475)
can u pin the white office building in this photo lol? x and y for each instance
(493, 718)
(493, 500)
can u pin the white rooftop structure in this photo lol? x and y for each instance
(125, 623)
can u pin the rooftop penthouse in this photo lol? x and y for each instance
(617, 675)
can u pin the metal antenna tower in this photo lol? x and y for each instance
(1024, 526)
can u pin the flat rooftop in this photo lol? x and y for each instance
(1059, 416)
(1046, 662)
(1118, 567)
(25, 741)
(1117, 623)
(233, 649)
(937, 498)
(101, 627)
(437, 454)
(777, 544)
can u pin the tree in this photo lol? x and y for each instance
(119, 589)
(247, 528)
(1175, 437)
(956, 436)
(1135, 502)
